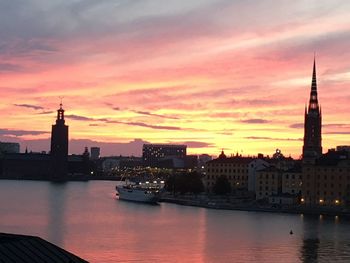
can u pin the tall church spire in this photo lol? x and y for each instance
(313, 123)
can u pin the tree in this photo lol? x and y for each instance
(222, 186)
(185, 183)
(195, 184)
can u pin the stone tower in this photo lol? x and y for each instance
(59, 147)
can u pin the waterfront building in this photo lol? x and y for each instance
(327, 181)
(268, 182)
(25, 166)
(164, 155)
(235, 169)
(115, 163)
(253, 167)
(59, 147)
(9, 147)
(95, 153)
(292, 181)
(312, 148)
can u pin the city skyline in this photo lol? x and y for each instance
(141, 72)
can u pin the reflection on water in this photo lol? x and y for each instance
(56, 212)
(309, 249)
(87, 219)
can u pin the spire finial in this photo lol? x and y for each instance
(314, 82)
(61, 105)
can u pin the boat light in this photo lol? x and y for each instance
(337, 202)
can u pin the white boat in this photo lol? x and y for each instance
(138, 193)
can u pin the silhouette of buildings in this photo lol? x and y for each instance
(59, 147)
(312, 148)
(9, 147)
(57, 165)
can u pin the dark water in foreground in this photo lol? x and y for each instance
(86, 219)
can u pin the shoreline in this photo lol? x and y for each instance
(240, 207)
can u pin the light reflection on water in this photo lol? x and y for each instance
(87, 219)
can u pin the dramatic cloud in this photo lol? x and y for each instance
(272, 139)
(155, 115)
(297, 126)
(78, 118)
(196, 144)
(217, 72)
(140, 124)
(7, 67)
(337, 132)
(255, 121)
(35, 107)
(19, 133)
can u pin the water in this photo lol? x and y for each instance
(86, 219)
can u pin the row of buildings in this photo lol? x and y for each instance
(315, 180)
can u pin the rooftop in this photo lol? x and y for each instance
(21, 248)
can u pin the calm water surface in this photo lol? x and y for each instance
(86, 219)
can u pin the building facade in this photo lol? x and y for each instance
(95, 153)
(268, 182)
(292, 181)
(235, 169)
(327, 182)
(164, 155)
(253, 168)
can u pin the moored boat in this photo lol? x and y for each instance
(139, 193)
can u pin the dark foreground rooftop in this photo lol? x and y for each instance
(20, 248)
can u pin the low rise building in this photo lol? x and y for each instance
(292, 181)
(268, 182)
(235, 169)
(253, 168)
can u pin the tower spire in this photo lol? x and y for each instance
(313, 103)
(313, 123)
(60, 114)
(314, 83)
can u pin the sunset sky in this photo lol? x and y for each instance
(211, 74)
